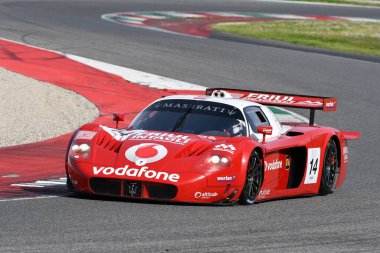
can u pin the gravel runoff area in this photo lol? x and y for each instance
(32, 111)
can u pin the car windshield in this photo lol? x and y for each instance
(192, 116)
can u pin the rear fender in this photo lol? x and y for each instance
(350, 135)
(343, 161)
(341, 141)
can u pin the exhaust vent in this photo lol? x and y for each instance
(107, 142)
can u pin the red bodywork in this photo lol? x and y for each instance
(187, 156)
(182, 167)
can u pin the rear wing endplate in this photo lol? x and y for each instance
(279, 99)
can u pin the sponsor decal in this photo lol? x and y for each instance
(224, 147)
(142, 172)
(288, 162)
(280, 99)
(163, 137)
(308, 102)
(271, 98)
(267, 130)
(205, 195)
(218, 109)
(146, 153)
(345, 154)
(330, 104)
(226, 179)
(313, 159)
(274, 165)
(207, 137)
(263, 193)
(85, 135)
(119, 135)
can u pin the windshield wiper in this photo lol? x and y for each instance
(178, 125)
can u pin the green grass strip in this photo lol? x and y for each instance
(344, 36)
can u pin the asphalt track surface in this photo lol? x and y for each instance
(347, 220)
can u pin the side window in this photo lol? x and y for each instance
(255, 117)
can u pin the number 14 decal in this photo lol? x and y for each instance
(314, 166)
(313, 158)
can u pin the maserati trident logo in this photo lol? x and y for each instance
(145, 153)
(132, 189)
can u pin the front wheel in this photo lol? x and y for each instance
(330, 168)
(253, 180)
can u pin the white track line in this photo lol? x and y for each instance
(139, 77)
(38, 184)
(28, 185)
(32, 198)
(42, 183)
(50, 182)
(319, 3)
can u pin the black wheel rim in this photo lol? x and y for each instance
(331, 165)
(254, 178)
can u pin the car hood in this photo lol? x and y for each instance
(159, 150)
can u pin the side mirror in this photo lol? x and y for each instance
(118, 117)
(264, 130)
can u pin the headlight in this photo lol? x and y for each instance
(219, 160)
(215, 159)
(80, 151)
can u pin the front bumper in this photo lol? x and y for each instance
(193, 188)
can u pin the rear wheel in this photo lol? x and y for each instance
(330, 168)
(253, 180)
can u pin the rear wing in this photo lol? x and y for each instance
(279, 99)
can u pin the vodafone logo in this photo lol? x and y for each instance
(275, 165)
(143, 172)
(146, 153)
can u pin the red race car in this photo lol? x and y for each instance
(225, 146)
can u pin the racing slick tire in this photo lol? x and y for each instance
(330, 168)
(253, 180)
